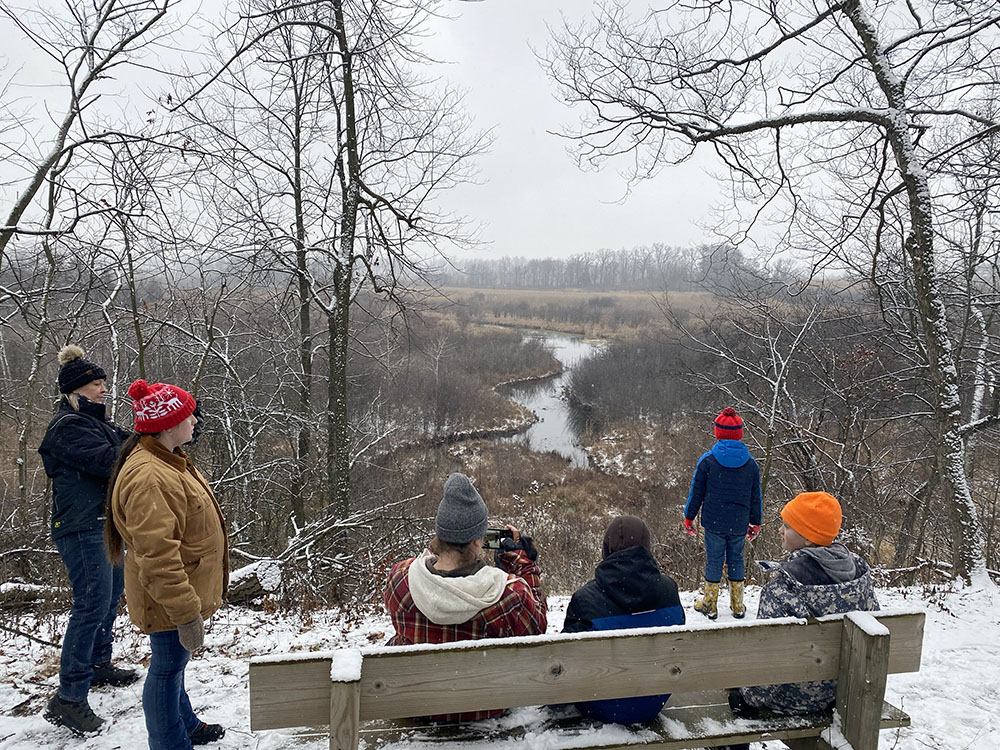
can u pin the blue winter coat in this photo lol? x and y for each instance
(815, 581)
(726, 489)
(627, 591)
(78, 452)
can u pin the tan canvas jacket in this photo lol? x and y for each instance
(177, 558)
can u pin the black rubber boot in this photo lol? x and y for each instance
(206, 733)
(78, 718)
(106, 674)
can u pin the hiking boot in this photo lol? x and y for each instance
(708, 604)
(736, 599)
(106, 674)
(206, 733)
(78, 718)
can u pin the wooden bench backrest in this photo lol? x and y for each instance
(504, 673)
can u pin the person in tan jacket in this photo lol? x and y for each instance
(176, 568)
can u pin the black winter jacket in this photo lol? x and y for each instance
(78, 452)
(627, 591)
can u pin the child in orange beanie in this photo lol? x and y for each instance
(820, 577)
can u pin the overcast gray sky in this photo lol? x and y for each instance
(534, 201)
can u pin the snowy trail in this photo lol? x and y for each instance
(954, 700)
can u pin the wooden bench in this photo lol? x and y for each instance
(364, 693)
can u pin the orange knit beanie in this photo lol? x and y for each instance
(814, 515)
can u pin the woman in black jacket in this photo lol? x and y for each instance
(78, 451)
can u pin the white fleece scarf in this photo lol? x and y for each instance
(450, 601)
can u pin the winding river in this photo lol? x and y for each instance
(559, 424)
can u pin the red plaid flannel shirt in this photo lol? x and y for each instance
(522, 610)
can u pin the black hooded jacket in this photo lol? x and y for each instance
(627, 591)
(79, 451)
(625, 583)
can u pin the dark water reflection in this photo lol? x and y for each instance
(559, 424)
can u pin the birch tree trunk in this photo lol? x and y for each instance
(967, 553)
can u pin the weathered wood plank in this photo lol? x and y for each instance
(345, 702)
(424, 682)
(861, 682)
(690, 720)
(810, 743)
(498, 674)
(703, 720)
(289, 694)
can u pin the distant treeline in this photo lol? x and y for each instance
(648, 268)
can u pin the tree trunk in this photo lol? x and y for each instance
(967, 550)
(338, 454)
(303, 432)
(338, 458)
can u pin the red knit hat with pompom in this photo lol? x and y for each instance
(728, 425)
(159, 406)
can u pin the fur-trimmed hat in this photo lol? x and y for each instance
(816, 516)
(461, 515)
(75, 370)
(159, 406)
(728, 425)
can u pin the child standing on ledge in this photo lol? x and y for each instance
(726, 489)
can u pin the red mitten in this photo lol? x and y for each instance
(689, 527)
(752, 531)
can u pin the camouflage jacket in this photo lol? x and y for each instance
(815, 581)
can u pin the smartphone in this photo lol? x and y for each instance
(494, 537)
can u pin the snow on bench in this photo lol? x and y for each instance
(363, 694)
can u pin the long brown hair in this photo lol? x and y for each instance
(112, 538)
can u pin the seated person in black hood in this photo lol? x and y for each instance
(628, 591)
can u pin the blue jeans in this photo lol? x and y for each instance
(165, 703)
(97, 590)
(727, 548)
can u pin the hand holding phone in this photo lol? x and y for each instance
(493, 538)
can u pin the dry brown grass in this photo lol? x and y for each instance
(577, 311)
(565, 509)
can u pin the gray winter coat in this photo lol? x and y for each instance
(815, 581)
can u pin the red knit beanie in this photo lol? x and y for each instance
(159, 406)
(728, 425)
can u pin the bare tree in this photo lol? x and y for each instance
(818, 112)
(87, 42)
(352, 149)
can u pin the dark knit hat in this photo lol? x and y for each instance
(728, 425)
(75, 370)
(461, 515)
(159, 406)
(625, 531)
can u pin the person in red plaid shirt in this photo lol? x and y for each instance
(448, 593)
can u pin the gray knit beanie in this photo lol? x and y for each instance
(461, 516)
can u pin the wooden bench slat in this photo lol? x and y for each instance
(290, 694)
(498, 674)
(504, 676)
(685, 725)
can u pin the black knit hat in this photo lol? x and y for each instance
(76, 371)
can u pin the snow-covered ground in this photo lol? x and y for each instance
(954, 701)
